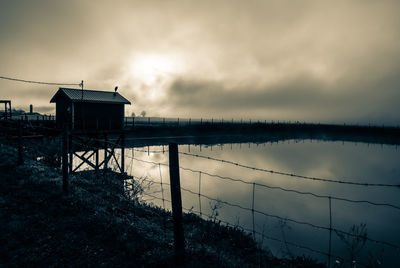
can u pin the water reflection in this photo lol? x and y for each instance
(332, 160)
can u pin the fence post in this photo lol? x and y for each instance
(330, 233)
(20, 159)
(176, 199)
(200, 194)
(252, 211)
(65, 159)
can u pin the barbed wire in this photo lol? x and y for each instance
(243, 229)
(151, 151)
(267, 214)
(291, 174)
(276, 187)
(278, 172)
(191, 210)
(39, 82)
(283, 218)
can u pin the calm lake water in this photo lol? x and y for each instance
(355, 162)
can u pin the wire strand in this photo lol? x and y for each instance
(39, 82)
(292, 174)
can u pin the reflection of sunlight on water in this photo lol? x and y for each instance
(332, 160)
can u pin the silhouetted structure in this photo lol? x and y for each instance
(7, 110)
(89, 109)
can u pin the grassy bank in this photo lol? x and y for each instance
(97, 224)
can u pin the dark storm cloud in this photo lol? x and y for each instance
(303, 98)
(208, 94)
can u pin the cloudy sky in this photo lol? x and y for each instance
(327, 61)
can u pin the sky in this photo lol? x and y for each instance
(314, 61)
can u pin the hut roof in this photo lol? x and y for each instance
(90, 96)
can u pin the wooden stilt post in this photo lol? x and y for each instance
(97, 154)
(70, 152)
(105, 152)
(65, 159)
(20, 160)
(123, 153)
(179, 239)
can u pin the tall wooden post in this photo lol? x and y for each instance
(176, 199)
(65, 159)
(123, 153)
(330, 232)
(97, 154)
(105, 152)
(20, 160)
(69, 150)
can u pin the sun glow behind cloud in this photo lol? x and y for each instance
(150, 67)
(313, 61)
(153, 73)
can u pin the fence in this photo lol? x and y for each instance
(329, 228)
(165, 121)
(130, 122)
(176, 121)
(177, 207)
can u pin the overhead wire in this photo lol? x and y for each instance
(39, 82)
